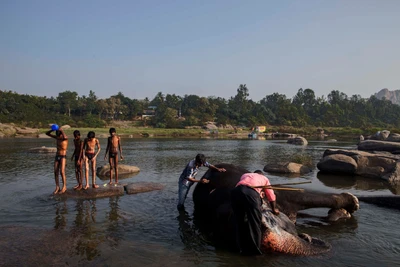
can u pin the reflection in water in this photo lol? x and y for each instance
(189, 233)
(114, 230)
(84, 229)
(351, 181)
(60, 221)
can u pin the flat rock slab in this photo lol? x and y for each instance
(141, 187)
(43, 149)
(106, 190)
(376, 145)
(102, 191)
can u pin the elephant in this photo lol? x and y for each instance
(213, 211)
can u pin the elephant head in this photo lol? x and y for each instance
(213, 208)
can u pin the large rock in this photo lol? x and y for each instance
(7, 130)
(124, 171)
(377, 165)
(42, 149)
(376, 145)
(298, 140)
(380, 135)
(287, 167)
(141, 187)
(393, 137)
(338, 163)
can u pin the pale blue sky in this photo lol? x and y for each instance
(198, 47)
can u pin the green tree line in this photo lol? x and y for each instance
(173, 111)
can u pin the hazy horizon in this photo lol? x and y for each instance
(206, 48)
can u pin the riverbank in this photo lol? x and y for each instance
(13, 130)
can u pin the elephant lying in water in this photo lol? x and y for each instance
(213, 208)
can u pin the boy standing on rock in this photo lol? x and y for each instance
(78, 156)
(113, 145)
(60, 160)
(90, 154)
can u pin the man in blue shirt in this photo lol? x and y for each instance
(187, 178)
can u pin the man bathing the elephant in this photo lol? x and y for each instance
(246, 199)
(187, 178)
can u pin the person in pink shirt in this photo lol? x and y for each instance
(246, 204)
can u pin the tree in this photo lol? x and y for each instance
(68, 101)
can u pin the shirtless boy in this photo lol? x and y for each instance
(78, 157)
(113, 145)
(60, 160)
(91, 148)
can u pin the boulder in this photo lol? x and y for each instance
(141, 187)
(7, 130)
(393, 137)
(288, 167)
(26, 131)
(298, 140)
(338, 163)
(377, 165)
(124, 171)
(380, 135)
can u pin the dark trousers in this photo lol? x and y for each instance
(246, 205)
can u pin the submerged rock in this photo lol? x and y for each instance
(43, 149)
(141, 187)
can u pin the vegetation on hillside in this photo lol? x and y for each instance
(173, 111)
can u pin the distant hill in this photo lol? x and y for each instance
(393, 96)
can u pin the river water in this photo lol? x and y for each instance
(147, 230)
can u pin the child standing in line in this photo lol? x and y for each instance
(60, 160)
(78, 157)
(90, 155)
(113, 145)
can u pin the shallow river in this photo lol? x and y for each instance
(146, 229)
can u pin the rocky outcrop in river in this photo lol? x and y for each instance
(377, 165)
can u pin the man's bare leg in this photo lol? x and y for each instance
(79, 178)
(56, 178)
(86, 174)
(111, 170)
(78, 174)
(94, 185)
(116, 169)
(64, 178)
